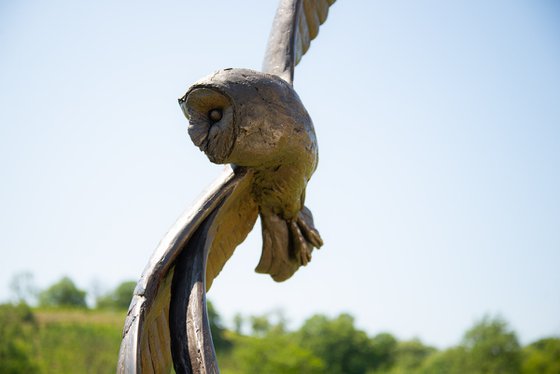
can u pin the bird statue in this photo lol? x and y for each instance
(255, 123)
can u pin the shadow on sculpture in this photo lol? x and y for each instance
(256, 124)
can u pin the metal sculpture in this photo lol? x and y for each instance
(254, 122)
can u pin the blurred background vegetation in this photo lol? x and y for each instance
(55, 331)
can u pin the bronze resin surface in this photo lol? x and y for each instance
(255, 123)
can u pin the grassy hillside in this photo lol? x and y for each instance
(78, 341)
(87, 341)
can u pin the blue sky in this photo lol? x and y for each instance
(437, 192)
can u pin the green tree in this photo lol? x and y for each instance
(273, 354)
(342, 347)
(542, 357)
(219, 338)
(64, 293)
(270, 323)
(119, 298)
(492, 348)
(260, 325)
(23, 288)
(17, 329)
(238, 322)
(451, 361)
(410, 356)
(383, 348)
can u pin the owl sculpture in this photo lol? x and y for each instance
(255, 123)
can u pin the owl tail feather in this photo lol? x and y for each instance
(287, 244)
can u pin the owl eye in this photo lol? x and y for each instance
(212, 127)
(215, 115)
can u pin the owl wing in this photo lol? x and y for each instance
(296, 23)
(173, 283)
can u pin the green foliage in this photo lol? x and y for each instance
(119, 298)
(488, 347)
(64, 293)
(260, 325)
(238, 322)
(383, 347)
(23, 288)
(272, 354)
(71, 340)
(74, 341)
(17, 329)
(221, 343)
(542, 357)
(342, 347)
(410, 356)
(450, 361)
(492, 348)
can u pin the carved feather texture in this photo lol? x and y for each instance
(146, 325)
(296, 23)
(234, 221)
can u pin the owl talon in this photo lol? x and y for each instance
(305, 223)
(304, 236)
(305, 256)
(299, 245)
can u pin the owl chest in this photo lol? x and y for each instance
(279, 190)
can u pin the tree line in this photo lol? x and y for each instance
(60, 332)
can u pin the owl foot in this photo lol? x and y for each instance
(304, 236)
(305, 223)
(287, 244)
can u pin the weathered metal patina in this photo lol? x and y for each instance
(255, 123)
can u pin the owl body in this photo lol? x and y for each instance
(256, 121)
(263, 127)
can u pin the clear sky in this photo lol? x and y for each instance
(437, 192)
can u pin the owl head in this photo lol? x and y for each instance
(247, 118)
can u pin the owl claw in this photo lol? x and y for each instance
(305, 223)
(306, 256)
(304, 236)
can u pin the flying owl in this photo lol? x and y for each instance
(255, 123)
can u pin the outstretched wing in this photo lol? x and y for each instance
(173, 283)
(296, 23)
